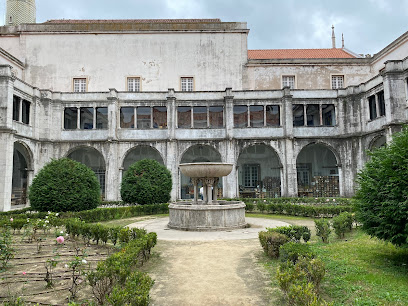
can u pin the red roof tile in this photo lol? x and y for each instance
(298, 53)
(133, 20)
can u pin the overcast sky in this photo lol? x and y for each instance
(368, 25)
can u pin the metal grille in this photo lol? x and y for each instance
(288, 80)
(186, 84)
(133, 84)
(79, 85)
(337, 81)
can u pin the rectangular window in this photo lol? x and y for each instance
(80, 85)
(16, 108)
(25, 108)
(127, 117)
(313, 115)
(256, 116)
(298, 115)
(381, 103)
(328, 115)
(251, 176)
(102, 118)
(200, 117)
(272, 115)
(240, 116)
(288, 81)
(70, 118)
(159, 117)
(187, 84)
(372, 107)
(144, 117)
(184, 117)
(216, 114)
(133, 84)
(86, 119)
(337, 81)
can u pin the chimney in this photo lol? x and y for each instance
(342, 41)
(333, 38)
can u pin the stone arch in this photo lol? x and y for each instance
(195, 154)
(259, 171)
(317, 167)
(140, 152)
(377, 142)
(22, 166)
(93, 159)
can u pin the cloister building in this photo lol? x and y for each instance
(110, 92)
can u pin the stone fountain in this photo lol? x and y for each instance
(208, 214)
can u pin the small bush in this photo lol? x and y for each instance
(146, 182)
(271, 242)
(293, 232)
(64, 185)
(249, 206)
(301, 281)
(323, 229)
(292, 251)
(342, 223)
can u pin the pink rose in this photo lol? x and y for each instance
(11, 219)
(60, 239)
(24, 273)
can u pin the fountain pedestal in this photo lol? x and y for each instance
(208, 214)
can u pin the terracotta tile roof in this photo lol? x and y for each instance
(299, 53)
(65, 21)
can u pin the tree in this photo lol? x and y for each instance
(382, 196)
(65, 185)
(146, 182)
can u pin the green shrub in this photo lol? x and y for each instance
(271, 242)
(292, 251)
(293, 232)
(300, 282)
(64, 185)
(382, 196)
(249, 206)
(342, 223)
(146, 182)
(261, 206)
(323, 229)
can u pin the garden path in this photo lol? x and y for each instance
(202, 268)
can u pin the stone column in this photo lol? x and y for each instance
(230, 182)
(195, 183)
(289, 179)
(6, 136)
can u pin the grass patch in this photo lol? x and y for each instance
(126, 221)
(364, 271)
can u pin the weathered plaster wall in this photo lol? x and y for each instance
(215, 60)
(267, 77)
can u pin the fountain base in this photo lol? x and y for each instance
(190, 216)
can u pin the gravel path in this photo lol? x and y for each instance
(209, 268)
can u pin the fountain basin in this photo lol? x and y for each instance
(197, 170)
(225, 215)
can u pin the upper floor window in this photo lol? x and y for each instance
(89, 118)
(79, 84)
(376, 105)
(256, 116)
(133, 84)
(288, 81)
(187, 84)
(199, 117)
(21, 110)
(314, 115)
(337, 81)
(143, 117)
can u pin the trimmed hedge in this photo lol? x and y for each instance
(271, 242)
(292, 251)
(309, 201)
(64, 185)
(146, 181)
(293, 232)
(302, 210)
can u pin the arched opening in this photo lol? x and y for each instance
(139, 153)
(93, 159)
(20, 182)
(259, 172)
(378, 143)
(317, 172)
(197, 154)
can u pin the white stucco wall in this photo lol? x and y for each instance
(215, 60)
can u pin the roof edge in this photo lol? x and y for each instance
(12, 58)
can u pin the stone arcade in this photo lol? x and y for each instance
(110, 92)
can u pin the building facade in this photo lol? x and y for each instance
(110, 92)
